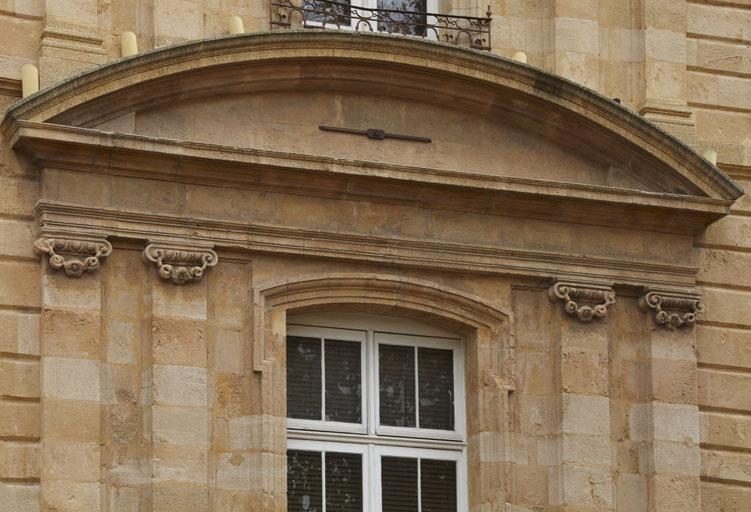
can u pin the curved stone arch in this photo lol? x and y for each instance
(489, 358)
(498, 86)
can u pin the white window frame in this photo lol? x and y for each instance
(369, 438)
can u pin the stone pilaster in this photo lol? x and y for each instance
(180, 397)
(71, 373)
(664, 100)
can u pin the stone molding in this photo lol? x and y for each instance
(180, 262)
(672, 309)
(75, 255)
(567, 292)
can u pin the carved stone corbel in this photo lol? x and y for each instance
(599, 296)
(672, 309)
(179, 262)
(76, 255)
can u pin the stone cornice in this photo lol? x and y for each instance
(611, 131)
(75, 254)
(584, 300)
(358, 247)
(181, 262)
(190, 162)
(672, 309)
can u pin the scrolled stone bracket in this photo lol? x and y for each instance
(74, 255)
(598, 298)
(179, 262)
(672, 309)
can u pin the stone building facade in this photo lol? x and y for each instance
(167, 218)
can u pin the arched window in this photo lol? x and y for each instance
(375, 409)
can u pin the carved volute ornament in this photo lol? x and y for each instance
(178, 262)
(75, 256)
(598, 297)
(673, 310)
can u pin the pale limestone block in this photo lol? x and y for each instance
(674, 380)
(19, 419)
(726, 466)
(675, 422)
(59, 291)
(724, 389)
(727, 306)
(720, 266)
(665, 80)
(180, 497)
(702, 88)
(548, 452)
(67, 496)
(74, 379)
(179, 301)
(631, 493)
(233, 471)
(179, 341)
(734, 92)
(18, 197)
(665, 45)
(725, 429)
(587, 485)
(71, 419)
(673, 346)
(179, 463)
(20, 497)
(181, 425)
(240, 432)
(585, 414)
(177, 20)
(16, 238)
(180, 385)
(676, 458)
(491, 446)
(121, 341)
(63, 459)
(72, 333)
(79, 10)
(722, 56)
(29, 7)
(228, 348)
(19, 286)
(675, 493)
(638, 422)
(589, 450)
(732, 231)
(19, 460)
(576, 35)
(19, 332)
(582, 9)
(19, 377)
(719, 22)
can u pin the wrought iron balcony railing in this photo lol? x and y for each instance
(460, 30)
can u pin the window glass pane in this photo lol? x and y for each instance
(399, 484)
(303, 378)
(343, 381)
(435, 376)
(411, 21)
(396, 385)
(438, 485)
(304, 481)
(343, 482)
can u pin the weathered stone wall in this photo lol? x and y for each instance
(687, 67)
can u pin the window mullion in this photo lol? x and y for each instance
(323, 380)
(419, 486)
(417, 392)
(323, 481)
(372, 388)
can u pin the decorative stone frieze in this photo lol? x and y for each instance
(179, 262)
(74, 255)
(598, 297)
(672, 309)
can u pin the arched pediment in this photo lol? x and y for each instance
(239, 105)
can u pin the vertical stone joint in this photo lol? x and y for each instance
(75, 256)
(597, 299)
(179, 262)
(672, 309)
